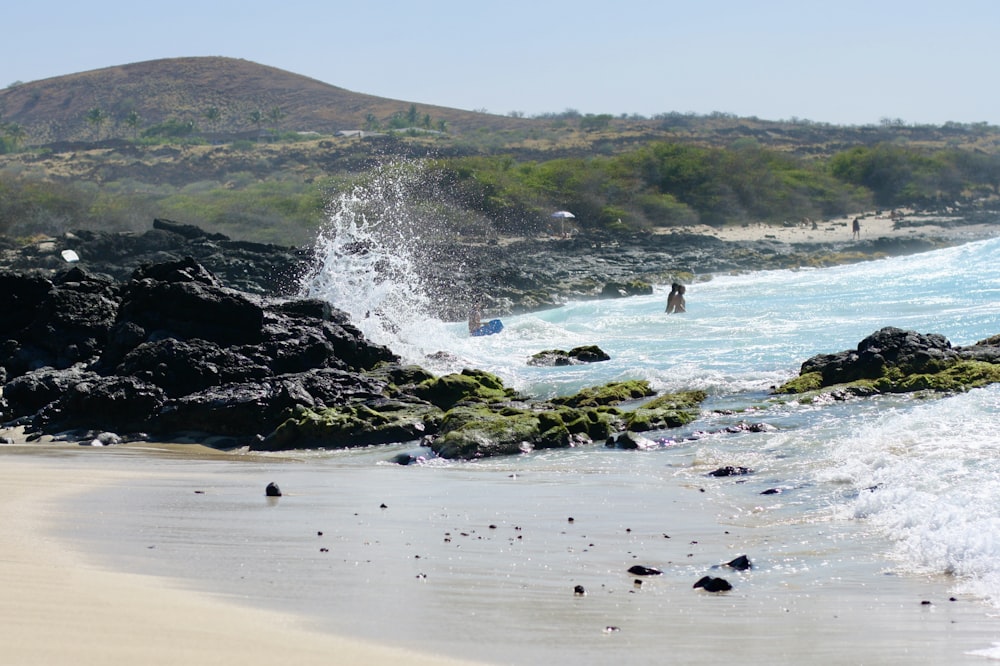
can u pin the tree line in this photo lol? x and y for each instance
(671, 184)
(662, 184)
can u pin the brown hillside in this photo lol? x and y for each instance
(183, 89)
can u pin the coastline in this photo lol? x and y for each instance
(906, 224)
(58, 610)
(815, 594)
(116, 616)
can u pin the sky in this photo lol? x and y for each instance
(844, 62)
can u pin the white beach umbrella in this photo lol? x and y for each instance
(562, 216)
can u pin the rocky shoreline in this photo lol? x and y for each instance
(506, 277)
(176, 333)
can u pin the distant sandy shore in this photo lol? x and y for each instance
(906, 224)
(55, 610)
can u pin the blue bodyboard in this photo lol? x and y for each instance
(489, 328)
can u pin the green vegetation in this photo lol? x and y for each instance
(659, 185)
(284, 211)
(276, 191)
(902, 175)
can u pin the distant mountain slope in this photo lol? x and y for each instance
(185, 89)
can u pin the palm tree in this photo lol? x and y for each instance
(15, 133)
(257, 118)
(97, 117)
(133, 119)
(213, 115)
(275, 115)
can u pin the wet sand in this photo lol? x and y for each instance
(55, 609)
(816, 597)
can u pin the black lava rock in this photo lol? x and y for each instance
(710, 584)
(730, 470)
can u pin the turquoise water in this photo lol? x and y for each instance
(936, 462)
(884, 502)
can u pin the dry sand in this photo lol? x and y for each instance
(905, 224)
(55, 610)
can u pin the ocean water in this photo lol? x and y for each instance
(881, 503)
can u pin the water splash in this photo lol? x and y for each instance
(369, 256)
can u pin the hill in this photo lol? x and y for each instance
(220, 95)
(221, 98)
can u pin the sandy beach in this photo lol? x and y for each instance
(905, 223)
(59, 607)
(57, 610)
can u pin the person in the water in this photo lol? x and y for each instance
(475, 319)
(675, 301)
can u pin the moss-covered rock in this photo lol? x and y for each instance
(468, 386)
(961, 376)
(608, 394)
(893, 360)
(380, 421)
(671, 410)
(597, 423)
(398, 375)
(480, 431)
(810, 381)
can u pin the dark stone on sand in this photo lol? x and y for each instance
(711, 584)
(640, 570)
(741, 563)
(730, 470)
(743, 426)
(631, 441)
(272, 490)
(406, 458)
(579, 591)
(103, 439)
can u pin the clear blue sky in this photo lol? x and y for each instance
(836, 61)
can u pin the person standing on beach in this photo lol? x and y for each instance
(675, 301)
(856, 228)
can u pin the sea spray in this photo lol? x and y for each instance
(370, 255)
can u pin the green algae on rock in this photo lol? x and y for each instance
(479, 431)
(469, 385)
(671, 410)
(381, 421)
(893, 360)
(608, 394)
